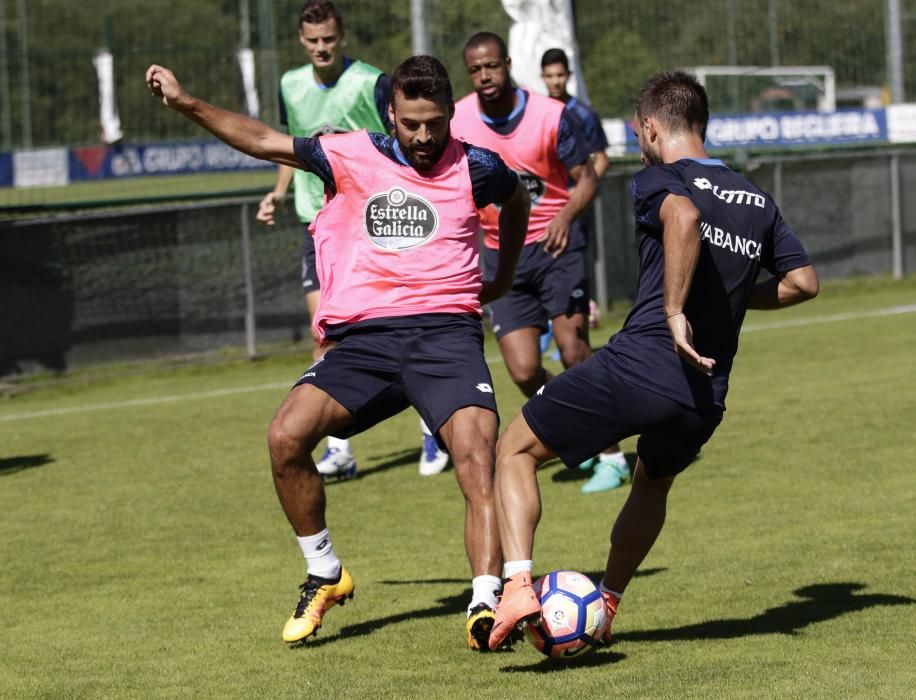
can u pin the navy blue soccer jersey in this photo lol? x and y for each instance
(492, 181)
(592, 131)
(741, 233)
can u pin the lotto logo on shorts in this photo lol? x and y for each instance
(484, 388)
(398, 220)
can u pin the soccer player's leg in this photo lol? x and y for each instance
(333, 396)
(670, 440)
(518, 506)
(450, 385)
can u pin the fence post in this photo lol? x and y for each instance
(896, 219)
(600, 266)
(250, 344)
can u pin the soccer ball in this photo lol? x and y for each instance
(573, 615)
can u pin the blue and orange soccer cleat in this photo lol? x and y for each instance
(519, 604)
(316, 596)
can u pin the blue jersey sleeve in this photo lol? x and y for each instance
(571, 147)
(309, 151)
(491, 179)
(383, 99)
(590, 124)
(648, 188)
(787, 252)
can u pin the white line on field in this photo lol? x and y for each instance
(216, 393)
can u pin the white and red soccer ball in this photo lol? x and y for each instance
(573, 615)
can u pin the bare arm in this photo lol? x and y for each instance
(268, 206)
(794, 287)
(681, 240)
(513, 224)
(556, 235)
(600, 162)
(242, 133)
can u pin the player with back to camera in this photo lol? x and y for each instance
(703, 234)
(610, 468)
(332, 93)
(397, 252)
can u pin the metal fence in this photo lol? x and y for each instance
(186, 279)
(48, 89)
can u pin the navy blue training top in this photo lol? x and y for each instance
(590, 124)
(741, 233)
(492, 181)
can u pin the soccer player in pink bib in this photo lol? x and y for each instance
(401, 296)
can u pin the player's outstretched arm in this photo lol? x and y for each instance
(242, 133)
(556, 235)
(794, 287)
(681, 240)
(513, 224)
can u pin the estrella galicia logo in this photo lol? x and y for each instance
(534, 185)
(399, 220)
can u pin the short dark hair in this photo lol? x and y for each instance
(485, 38)
(422, 76)
(677, 100)
(317, 11)
(552, 56)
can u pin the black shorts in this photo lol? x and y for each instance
(433, 362)
(310, 281)
(544, 288)
(592, 406)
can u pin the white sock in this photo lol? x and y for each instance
(485, 588)
(425, 428)
(341, 444)
(319, 554)
(511, 568)
(615, 457)
(605, 589)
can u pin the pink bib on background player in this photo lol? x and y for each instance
(530, 150)
(394, 241)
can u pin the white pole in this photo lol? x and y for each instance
(250, 343)
(895, 50)
(896, 220)
(419, 34)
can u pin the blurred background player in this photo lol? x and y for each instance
(333, 93)
(610, 468)
(404, 305)
(535, 137)
(704, 233)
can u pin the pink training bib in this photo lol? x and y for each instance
(394, 241)
(530, 150)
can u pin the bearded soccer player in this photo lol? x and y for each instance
(703, 233)
(536, 138)
(610, 468)
(397, 257)
(332, 93)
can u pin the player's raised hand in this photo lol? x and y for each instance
(556, 235)
(164, 85)
(682, 334)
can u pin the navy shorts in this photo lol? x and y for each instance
(544, 288)
(592, 406)
(433, 362)
(310, 281)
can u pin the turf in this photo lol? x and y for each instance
(144, 554)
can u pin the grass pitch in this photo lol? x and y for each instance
(144, 554)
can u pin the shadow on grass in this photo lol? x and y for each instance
(820, 602)
(11, 465)
(599, 657)
(391, 461)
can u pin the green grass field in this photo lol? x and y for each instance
(144, 553)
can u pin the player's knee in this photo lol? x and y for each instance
(529, 377)
(474, 468)
(288, 444)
